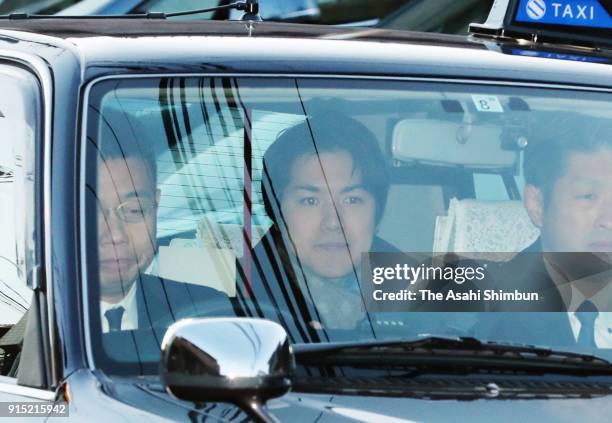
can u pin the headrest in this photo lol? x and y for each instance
(474, 226)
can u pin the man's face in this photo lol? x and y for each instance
(329, 214)
(127, 208)
(578, 215)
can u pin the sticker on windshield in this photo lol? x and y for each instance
(487, 103)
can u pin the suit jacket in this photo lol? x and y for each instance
(161, 302)
(543, 323)
(526, 272)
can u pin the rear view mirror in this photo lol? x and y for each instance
(447, 144)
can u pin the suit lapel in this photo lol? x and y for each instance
(153, 307)
(162, 302)
(547, 322)
(527, 272)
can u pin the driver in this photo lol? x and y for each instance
(568, 196)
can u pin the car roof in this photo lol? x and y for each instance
(63, 27)
(121, 45)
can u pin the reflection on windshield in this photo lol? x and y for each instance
(263, 198)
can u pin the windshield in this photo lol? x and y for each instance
(333, 206)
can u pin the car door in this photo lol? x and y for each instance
(21, 386)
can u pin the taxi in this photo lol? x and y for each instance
(200, 218)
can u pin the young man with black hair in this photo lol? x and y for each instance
(324, 186)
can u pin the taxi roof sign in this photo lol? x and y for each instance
(584, 22)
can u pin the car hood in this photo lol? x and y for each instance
(303, 407)
(341, 408)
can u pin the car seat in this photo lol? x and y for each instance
(479, 228)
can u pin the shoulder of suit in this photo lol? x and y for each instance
(170, 284)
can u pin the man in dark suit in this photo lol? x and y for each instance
(568, 195)
(127, 199)
(541, 323)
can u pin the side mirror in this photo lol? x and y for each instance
(239, 360)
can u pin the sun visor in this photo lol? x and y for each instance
(445, 143)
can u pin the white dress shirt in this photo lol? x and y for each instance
(603, 323)
(129, 319)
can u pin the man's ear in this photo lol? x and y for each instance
(534, 203)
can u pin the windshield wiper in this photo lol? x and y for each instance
(460, 354)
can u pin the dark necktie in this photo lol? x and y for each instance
(114, 316)
(586, 314)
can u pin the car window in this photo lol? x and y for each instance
(306, 11)
(171, 6)
(445, 16)
(341, 12)
(294, 10)
(18, 256)
(268, 197)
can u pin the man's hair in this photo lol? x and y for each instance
(324, 133)
(123, 137)
(547, 155)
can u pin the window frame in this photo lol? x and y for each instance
(46, 373)
(357, 77)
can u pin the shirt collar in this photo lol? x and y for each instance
(129, 319)
(602, 299)
(126, 301)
